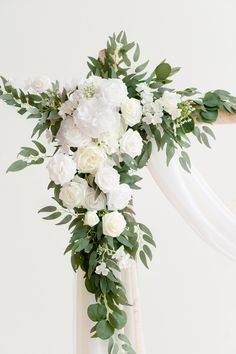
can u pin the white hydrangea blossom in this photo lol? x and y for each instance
(102, 269)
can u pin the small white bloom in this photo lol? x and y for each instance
(90, 87)
(113, 91)
(70, 135)
(102, 269)
(113, 224)
(169, 102)
(38, 84)
(119, 197)
(91, 218)
(90, 158)
(131, 110)
(123, 258)
(131, 143)
(73, 193)
(94, 116)
(153, 113)
(107, 178)
(93, 202)
(61, 168)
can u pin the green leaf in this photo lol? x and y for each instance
(143, 258)
(183, 163)
(136, 53)
(53, 216)
(17, 166)
(170, 151)
(118, 319)
(211, 99)
(145, 229)
(81, 244)
(145, 155)
(149, 239)
(65, 220)
(205, 140)
(37, 162)
(186, 158)
(31, 151)
(97, 312)
(104, 330)
(124, 241)
(47, 209)
(147, 251)
(209, 116)
(129, 161)
(39, 146)
(141, 67)
(92, 263)
(209, 132)
(162, 71)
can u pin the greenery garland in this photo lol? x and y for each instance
(94, 165)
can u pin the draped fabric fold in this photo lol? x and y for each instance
(196, 202)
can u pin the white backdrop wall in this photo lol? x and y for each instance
(189, 294)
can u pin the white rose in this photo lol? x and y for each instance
(131, 110)
(131, 143)
(169, 102)
(119, 197)
(90, 158)
(114, 91)
(61, 168)
(38, 84)
(107, 178)
(73, 193)
(91, 218)
(93, 202)
(113, 224)
(70, 135)
(94, 116)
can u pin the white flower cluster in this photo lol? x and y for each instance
(153, 110)
(97, 121)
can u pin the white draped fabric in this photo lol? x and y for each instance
(200, 207)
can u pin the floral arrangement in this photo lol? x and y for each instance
(102, 130)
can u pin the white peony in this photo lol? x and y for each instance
(131, 110)
(119, 197)
(61, 168)
(113, 224)
(73, 193)
(169, 102)
(94, 202)
(90, 158)
(70, 135)
(113, 91)
(91, 218)
(131, 143)
(107, 179)
(38, 84)
(94, 116)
